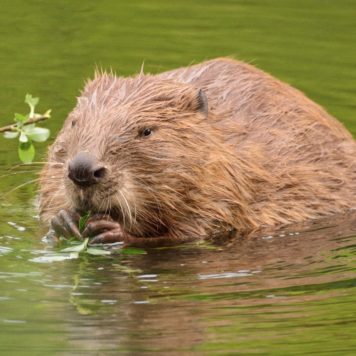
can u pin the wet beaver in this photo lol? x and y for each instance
(194, 152)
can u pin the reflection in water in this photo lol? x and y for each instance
(194, 298)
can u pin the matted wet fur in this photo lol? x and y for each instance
(258, 153)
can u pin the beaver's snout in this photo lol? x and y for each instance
(84, 171)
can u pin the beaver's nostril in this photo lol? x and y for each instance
(99, 173)
(83, 171)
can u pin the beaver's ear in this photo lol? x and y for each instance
(203, 102)
(199, 102)
(190, 99)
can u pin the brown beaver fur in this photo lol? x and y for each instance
(257, 153)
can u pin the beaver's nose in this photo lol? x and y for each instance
(84, 171)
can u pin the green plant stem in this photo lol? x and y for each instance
(31, 120)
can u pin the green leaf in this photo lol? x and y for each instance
(47, 113)
(23, 137)
(37, 134)
(97, 251)
(83, 221)
(133, 251)
(11, 134)
(77, 248)
(32, 102)
(26, 152)
(20, 118)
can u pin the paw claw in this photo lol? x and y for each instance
(108, 237)
(98, 227)
(65, 224)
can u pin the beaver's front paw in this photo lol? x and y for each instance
(65, 224)
(103, 230)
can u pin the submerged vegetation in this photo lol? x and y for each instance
(83, 247)
(78, 248)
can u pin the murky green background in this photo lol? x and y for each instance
(290, 293)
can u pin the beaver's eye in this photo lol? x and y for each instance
(146, 132)
(74, 123)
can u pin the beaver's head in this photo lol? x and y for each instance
(138, 149)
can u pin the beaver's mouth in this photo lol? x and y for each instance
(86, 202)
(143, 228)
(86, 208)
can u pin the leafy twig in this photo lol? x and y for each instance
(32, 120)
(26, 130)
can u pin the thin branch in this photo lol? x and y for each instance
(32, 120)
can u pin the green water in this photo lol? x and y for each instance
(292, 293)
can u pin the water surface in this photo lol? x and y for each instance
(290, 292)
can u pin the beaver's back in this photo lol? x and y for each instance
(311, 156)
(267, 111)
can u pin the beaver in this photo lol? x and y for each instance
(192, 153)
